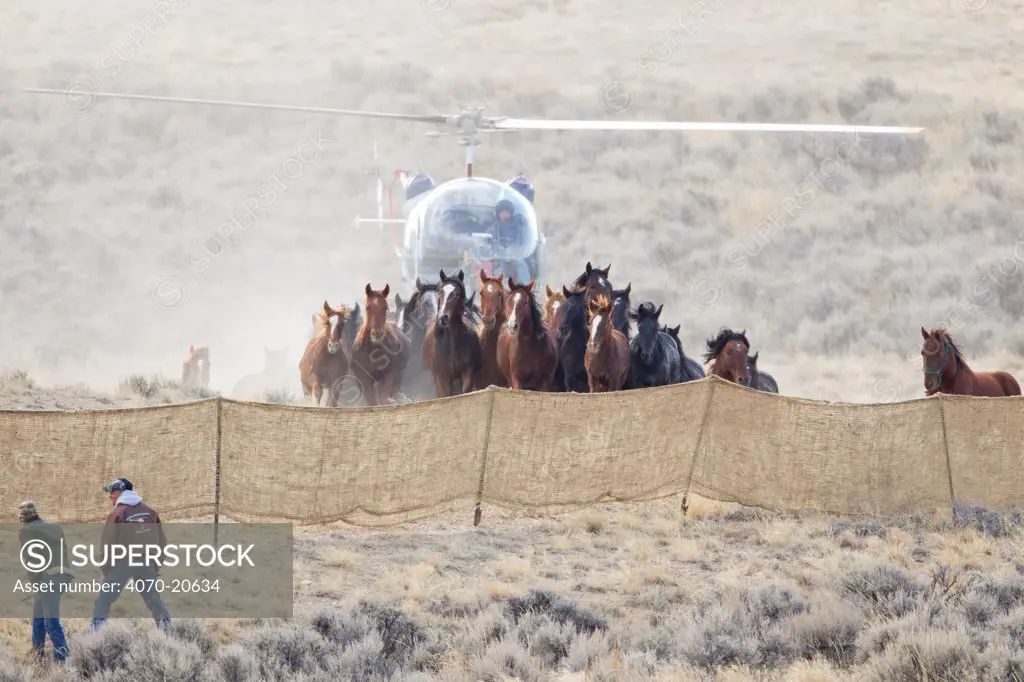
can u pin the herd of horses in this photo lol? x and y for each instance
(440, 342)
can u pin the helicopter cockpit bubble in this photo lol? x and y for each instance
(456, 215)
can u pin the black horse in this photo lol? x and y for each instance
(654, 358)
(620, 311)
(691, 369)
(762, 381)
(571, 339)
(351, 328)
(595, 280)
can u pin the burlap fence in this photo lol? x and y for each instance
(544, 452)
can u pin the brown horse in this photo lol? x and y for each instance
(526, 348)
(946, 370)
(325, 362)
(552, 306)
(607, 357)
(728, 351)
(380, 352)
(195, 370)
(596, 281)
(492, 312)
(451, 348)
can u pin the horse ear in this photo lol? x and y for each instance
(629, 287)
(548, 291)
(483, 277)
(676, 328)
(327, 308)
(608, 270)
(657, 313)
(443, 277)
(462, 276)
(369, 289)
(387, 290)
(743, 332)
(566, 292)
(472, 297)
(511, 283)
(355, 311)
(924, 334)
(532, 283)
(589, 268)
(398, 301)
(419, 285)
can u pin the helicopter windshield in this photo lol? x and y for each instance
(459, 217)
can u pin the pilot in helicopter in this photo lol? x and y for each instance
(505, 230)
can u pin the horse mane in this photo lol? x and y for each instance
(717, 343)
(323, 324)
(944, 334)
(536, 315)
(643, 311)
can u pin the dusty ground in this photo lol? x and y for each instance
(624, 592)
(102, 208)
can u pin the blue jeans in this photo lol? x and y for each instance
(46, 621)
(515, 269)
(116, 580)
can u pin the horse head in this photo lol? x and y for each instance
(647, 328)
(452, 293)
(492, 300)
(940, 357)
(599, 317)
(595, 280)
(376, 312)
(520, 306)
(341, 316)
(729, 351)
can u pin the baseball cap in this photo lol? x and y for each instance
(119, 485)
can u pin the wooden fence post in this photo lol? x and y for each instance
(216, 489)
(949, 464)
(477, 512)
(700, 443)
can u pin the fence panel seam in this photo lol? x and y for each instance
(700, 442)
(949, 463)
(477, 512)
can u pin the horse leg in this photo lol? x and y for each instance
(318, 391)
(468, 380)
(442, 386)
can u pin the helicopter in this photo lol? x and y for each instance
(451, 225)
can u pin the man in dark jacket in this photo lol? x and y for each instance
(46, 607)
(130, 523)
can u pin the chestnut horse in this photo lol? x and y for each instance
(595, 280)
(492, 312)
(946, 370)
(451, 348)
(325, 362)
(607, 356)
(552, 307)
(526, 348)
(380, 352)
(192, 375)
(728, 354)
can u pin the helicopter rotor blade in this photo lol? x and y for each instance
(542, 124)
(430, 118)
